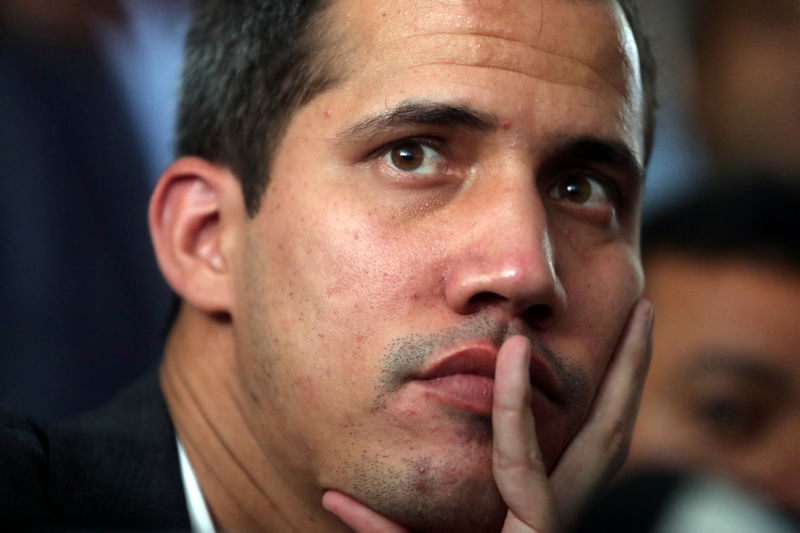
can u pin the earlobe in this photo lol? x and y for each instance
(189, 216)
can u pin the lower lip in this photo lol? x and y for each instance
(469, 392)
(475, 393)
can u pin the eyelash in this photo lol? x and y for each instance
(433, 143)
(609, 186)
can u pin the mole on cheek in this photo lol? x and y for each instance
(506, 123)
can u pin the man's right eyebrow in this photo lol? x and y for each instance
(420, 113)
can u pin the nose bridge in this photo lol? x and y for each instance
(508, 258)
(518, 232)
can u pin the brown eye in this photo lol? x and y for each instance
(408, 156)
(578, 188)
(414, 157)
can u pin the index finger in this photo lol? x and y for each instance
(516, 461)
(600, 448)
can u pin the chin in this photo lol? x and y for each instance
(444, 490)
(469, 507)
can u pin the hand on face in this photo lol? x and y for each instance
(536, 502)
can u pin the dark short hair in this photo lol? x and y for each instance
(251, 63)
(647, 66)
(752, 217)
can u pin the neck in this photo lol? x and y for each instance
(244, 489)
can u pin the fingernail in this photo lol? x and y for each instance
(651, 314)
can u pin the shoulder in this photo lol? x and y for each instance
(23, 463)
(113, 468)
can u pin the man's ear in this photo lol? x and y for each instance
(194, 211)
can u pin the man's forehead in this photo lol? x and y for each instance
(531, 21)
(582, 42)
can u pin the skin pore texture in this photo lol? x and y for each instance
(475, 177)
(725, 396)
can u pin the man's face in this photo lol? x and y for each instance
(724, 385)
(477, 174)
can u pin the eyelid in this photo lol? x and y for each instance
(433, 143)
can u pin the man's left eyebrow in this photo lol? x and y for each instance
(603, 150)
(420, 113)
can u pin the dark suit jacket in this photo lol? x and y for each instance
(115, 468)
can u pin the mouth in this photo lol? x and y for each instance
(464, 379)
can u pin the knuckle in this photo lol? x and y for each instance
(507, 461)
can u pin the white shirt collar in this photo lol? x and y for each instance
(199, 517)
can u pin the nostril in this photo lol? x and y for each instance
(536, 314)
(482, 300)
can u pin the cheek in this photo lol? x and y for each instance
(600, 298)
(378, 275)
(344, 284)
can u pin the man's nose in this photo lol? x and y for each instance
(508, 260)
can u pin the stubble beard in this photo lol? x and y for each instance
(434, 493)
(443, 487)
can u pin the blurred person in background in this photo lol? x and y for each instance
(715, 446)
(746, 93)
(723, 269)
(83, 301)
(729, 92)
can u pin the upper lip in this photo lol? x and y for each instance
(480, 357)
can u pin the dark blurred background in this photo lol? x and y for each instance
(729, 92)
(87, 92)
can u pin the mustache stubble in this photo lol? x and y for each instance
(407, 355)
